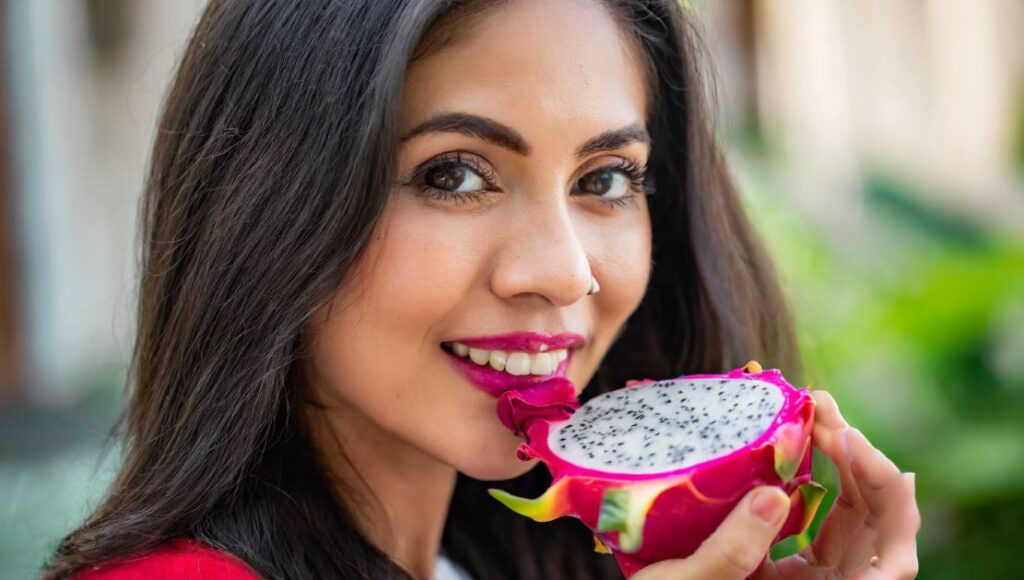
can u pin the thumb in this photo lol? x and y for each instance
(739, 544)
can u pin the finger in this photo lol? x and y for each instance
(892, 520)
(827, 410)
(876, 475)
(849, 536)
(858, 551)
(827, 435)
(741, 542)
(848, 512)
(896, 542)
(878, 569)
(842, 523)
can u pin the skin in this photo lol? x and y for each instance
(396, 421)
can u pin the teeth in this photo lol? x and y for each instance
(542, 364)
(514, 363)
(480, 357)
(498, 358)
(518, 364)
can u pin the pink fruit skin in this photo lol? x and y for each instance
(689, 503)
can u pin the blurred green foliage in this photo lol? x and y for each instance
(913, 318)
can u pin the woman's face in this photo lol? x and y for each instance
(515, 254)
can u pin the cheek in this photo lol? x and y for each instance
(379, 361)
(382, 325)
(625, 266)
(417, 273)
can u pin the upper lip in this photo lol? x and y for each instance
(526, 341)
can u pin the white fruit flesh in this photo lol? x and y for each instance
(666, 425)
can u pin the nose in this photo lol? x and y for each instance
(542, 255)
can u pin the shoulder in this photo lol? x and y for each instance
(179, 559)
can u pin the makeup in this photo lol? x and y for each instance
(495, 382)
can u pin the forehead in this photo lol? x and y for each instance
(546, 67)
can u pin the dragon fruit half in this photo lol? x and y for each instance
(654, 468)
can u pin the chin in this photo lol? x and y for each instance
(498, 469)
(495, 458)
(486, 450)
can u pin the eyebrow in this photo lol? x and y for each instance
(507, 137)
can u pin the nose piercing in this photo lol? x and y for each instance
(594, 286)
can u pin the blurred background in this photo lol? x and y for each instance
(879, 147)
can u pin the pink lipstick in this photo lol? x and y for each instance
(495, 382)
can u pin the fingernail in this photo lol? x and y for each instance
(768, 504)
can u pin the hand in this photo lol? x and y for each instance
(870, 532)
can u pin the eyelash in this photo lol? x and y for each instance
(633, 172)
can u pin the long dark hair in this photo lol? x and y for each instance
(274, 156)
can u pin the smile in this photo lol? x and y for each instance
(501, 362)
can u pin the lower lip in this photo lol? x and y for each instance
(495, 382)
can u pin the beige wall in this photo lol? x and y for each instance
(927, 88)
(82, 128)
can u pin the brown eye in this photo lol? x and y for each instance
(604, 182)
(452, 177)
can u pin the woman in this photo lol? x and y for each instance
(343, 197)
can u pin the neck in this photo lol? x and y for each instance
(412, 488)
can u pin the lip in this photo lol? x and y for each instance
(495, 382)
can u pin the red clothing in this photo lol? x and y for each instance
(180, 559)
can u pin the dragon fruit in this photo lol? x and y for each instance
(654, 468)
